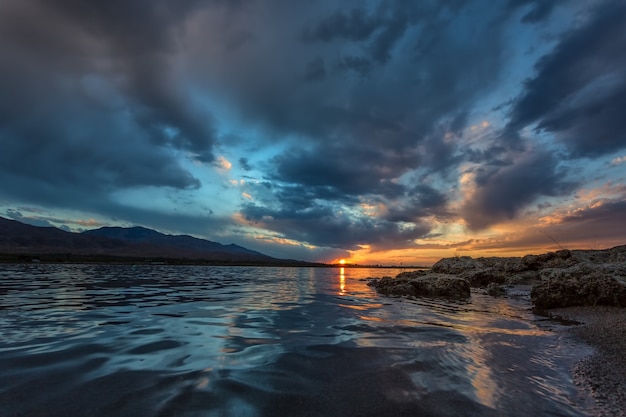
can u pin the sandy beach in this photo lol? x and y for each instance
(601, 376)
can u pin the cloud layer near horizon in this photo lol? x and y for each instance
(362, 124)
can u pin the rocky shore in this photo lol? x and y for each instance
(559, 279)
(587, 286)
(601, 377)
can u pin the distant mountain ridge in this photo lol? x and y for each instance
(134, 242)
(139, 234)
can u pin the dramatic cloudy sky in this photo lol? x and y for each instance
(384, 131)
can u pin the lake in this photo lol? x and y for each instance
(108, 340)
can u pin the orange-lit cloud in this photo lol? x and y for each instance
(280, 240)
(619, 160)
(87, 222)
(480, 126)
(223, 163)
(591, 221)
(373, 210)
(237, 183)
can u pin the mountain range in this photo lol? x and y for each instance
(20, 239)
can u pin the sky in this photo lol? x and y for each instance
(376, 131)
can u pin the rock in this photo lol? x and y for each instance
(424, 285)
(525, 277)
(392, 286)
(483, 277)
(495, 290)
(563, 278)
(558, 259)
(583, 284)
(455, 265)
(412, 274)
(481, 272)
(506, 264)
(617, 254)
(613, 255)
(514, 265)
(531, 262)
(441, 285)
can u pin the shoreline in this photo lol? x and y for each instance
(581, 286)
(600, 377)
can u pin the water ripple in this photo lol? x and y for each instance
(185, 341)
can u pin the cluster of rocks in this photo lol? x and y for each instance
(423, 284)
(558, 279)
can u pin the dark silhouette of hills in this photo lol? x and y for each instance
(19, 241)
(17, 237)
(133, 235)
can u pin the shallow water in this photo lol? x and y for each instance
(95, 340)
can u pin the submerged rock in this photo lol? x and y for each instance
(495, 290)
(420, 284)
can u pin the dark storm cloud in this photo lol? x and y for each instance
(360, 65)
(422, 201)
(315, 70)
(385, 74)
(382, 90)
(346, 176)
(354, 25)
(598, 223)
(382, 29)
(90, 100)
(297, 198)
(245, 164)
(538, 10)
(83, 156)
(17, 215)
(606, 210)
(308, 209)
(494, 155)
(347, 171)
(601, 220)
(501, 192)
(341, 106)
(579, 92)
(327, 226)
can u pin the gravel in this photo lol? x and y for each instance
(601, 376)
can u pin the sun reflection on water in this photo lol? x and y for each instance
(342, 281)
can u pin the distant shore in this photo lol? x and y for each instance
(69, 258)
(63, 258)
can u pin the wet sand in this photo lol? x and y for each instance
(602, 376)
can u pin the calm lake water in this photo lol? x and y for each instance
(96, 340)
